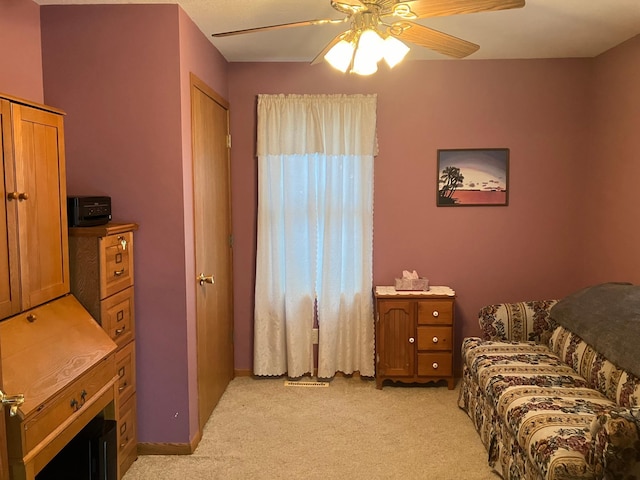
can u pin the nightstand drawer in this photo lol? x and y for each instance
(116, 313)
(126, 369)
(435, 364)
(435, 338)
(435, 312)
(116, 263)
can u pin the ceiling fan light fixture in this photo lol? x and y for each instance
(371, 44)
(340, 55)
(394, 51)
(368, 53)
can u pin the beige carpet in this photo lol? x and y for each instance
(350, 430)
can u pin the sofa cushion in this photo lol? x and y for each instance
(618, 385)
(545, 404)
(523, 321)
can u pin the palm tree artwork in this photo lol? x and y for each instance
(473, 177)
(450, 179)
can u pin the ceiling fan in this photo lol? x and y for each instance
(378, 29)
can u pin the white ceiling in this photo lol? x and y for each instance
(542, 29)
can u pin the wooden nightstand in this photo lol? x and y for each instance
(414, 335)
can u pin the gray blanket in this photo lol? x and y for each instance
(607, 317)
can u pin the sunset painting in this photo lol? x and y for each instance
(473, 177)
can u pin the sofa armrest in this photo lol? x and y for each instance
(616, 444)
(518, 322)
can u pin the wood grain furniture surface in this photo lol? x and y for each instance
(102, 278)
(64, 364)
(34, 264)
(414, 335)
(52, 351)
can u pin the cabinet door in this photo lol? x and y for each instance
(396, 337)
(9, 276)
(42, 214)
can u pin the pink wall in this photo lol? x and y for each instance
(539, 109)
(21, 72)
(614, 167)
(116, 70)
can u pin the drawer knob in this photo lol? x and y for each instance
(411, 339)
(118, 273)
(435, 313)
(435, 365)
(435, 339)
(77, 405)
(17, 196)
(119, 331)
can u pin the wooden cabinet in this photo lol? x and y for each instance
(34, 265)
(101, 259)
(52, 351)
(414, 335)
(65, 366)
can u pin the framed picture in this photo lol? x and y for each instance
(473, 177)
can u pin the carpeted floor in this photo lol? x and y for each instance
(262, 429)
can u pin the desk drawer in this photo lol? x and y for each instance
(49, 415)
(116, 263)
(117, 316)
(126, 369)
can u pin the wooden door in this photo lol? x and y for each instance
(9, 276)
(396, 339)
(212, 224)
(42, 214)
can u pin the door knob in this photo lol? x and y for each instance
(202, 278)
(13, 401)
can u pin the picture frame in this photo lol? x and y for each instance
(472, 177)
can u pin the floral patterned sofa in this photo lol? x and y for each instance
(549, 405)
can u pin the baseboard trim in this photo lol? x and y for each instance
(170, 448)
(243, 373)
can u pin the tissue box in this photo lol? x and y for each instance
(412, 284)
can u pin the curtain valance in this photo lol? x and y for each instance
(326, 124)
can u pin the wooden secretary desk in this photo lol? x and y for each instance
(58, 366)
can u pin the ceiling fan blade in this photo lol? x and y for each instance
(432, 39)
(278, 27)
(440, 8)
(329, 46)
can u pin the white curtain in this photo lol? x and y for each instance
(315, 234)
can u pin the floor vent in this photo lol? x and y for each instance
(288, 383)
